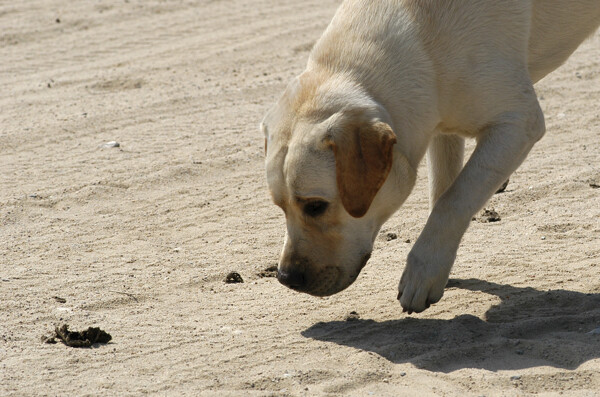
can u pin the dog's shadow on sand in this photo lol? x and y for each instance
(528, 328)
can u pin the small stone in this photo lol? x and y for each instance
(503, 187)
(391, 236)
(59, 299)
(595, 331)
(233, 278)
(111, 144)
(407, 241)
(353, 316)
(515, 377)
(402, 373)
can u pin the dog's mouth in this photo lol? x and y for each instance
(331, 280)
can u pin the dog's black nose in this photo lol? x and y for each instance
(293, 279)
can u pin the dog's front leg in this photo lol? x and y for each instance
(501, 148)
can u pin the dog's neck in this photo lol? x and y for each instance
(402, 86)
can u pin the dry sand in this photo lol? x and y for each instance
(138, 239)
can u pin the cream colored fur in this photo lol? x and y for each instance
(435, 72)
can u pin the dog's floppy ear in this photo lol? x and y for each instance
(363, 151)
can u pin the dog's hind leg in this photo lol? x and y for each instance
(444, 162)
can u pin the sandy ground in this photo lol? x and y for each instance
(138, 239)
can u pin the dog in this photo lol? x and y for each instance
(388, 82)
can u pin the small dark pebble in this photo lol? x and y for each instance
(407, 241)
(59, 299)
(85, 338)
(391, 236)
(270, 271)
(57, 20)
(515, 377)
(234, 278)
(503, 187)
(595, 185)
(353, 316)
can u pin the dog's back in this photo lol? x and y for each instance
(557, 29)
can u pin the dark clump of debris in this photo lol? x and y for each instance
(488, 216)
(391, 236)
(85, 338)
(233, 278)
(270, 271)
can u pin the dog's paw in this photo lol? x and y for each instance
(422, 284)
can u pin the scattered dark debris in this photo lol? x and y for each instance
(57, 20)
(487, 216)
(391, 236)
(233, 278)
(407, 241)
(85, 338)
(59, 299)
(503, 187)
(595, 185)
(353, 316)
(270, 271)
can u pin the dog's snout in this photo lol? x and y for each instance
(294, 279)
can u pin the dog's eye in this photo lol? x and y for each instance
(315, 208)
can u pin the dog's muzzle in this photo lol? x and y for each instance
(318, 282)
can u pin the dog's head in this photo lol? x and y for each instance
(330, 158)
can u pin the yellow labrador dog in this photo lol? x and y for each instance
(388, 81)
